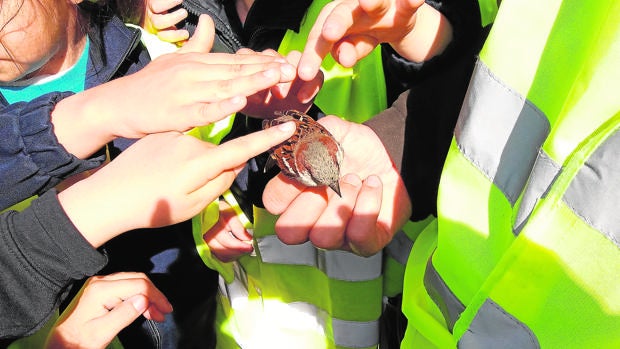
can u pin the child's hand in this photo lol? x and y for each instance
(297, 94)
(103, 307)
(228, 239)
(162, 179)
(351, 29)
(175, 92)
(158, 20)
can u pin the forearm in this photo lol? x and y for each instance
(82, 122)
(103, 216)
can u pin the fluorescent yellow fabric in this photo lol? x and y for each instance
(552, 277)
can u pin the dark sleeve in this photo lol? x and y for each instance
(389, 125)
(31, 159)
(41, 254)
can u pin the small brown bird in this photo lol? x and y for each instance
(311, 156)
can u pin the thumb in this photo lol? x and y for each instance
(202, 40)
(121, 316)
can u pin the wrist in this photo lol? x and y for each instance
(81, 124)
(95, 218)
(431, 34)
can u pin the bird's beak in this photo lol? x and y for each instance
(336, 187)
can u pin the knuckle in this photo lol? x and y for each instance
(237, 67)
(224, 87)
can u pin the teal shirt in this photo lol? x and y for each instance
(71, 80)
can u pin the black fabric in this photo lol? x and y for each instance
(393, 324)
(433, 108)
(225, 39)
(41, 254)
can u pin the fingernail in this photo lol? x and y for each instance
(270, 73)
(286, 127)
(139, 303)
(373, 181)
(352, 180)
(236, 100)
(305, 73)
(354, 249)
(329, 27)
(288, 70)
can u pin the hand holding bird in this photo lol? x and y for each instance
(311, 156)
(373, 206)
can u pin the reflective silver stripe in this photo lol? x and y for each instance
(500, 131)
(272, 250)
(450, 306)
(338, 265)
(543, 174)
(594, 193)
(356, 334)
(493, 328)
(399, 248)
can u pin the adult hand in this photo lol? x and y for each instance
(161, 179)
(175, 92)
(373, 206)
(103, 307)
(351, 29)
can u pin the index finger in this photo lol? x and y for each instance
(317, 46)
(237, 151)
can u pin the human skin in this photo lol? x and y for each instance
(373, 206)
(351, 29)
(162, 179)
(52, 32)
(104, 306)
